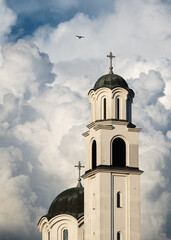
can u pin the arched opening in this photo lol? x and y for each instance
(94, 201)
(119, 235)
(119, 199)
(104, 108)
(65, 234)
(117, 108)
(48, 235)
(118, 153)
(94, 155)
(129, 112)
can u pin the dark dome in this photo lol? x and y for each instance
(70, 202)
(111, 81)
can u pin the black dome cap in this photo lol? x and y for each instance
(70, 202)
(111, 81)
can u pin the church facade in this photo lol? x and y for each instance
(108, 207)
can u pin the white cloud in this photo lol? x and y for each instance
(7, 19)
(43, 115)
(135, 28)
(24, 75)
(25, 70)
(36, 118)
(17, 197)
(41, 133)
(155, 153)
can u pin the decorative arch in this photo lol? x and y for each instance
(63, 222)
(94, 154)
(58, 224)
(102, 105)
(118, 152)
(119, 96)
(102, 92)
(62, 226)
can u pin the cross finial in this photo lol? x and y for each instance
(79, 170)
(110, 68)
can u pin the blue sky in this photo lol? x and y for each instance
(33, 14)
(45, 75)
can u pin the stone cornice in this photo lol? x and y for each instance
(111, 169)
(107, 127)
(109, 124)
(92, 124)
(134, 129)
(85, 134)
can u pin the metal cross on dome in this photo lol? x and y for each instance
(79, 166)
(111, 57)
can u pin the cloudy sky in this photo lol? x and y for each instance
(45, 75)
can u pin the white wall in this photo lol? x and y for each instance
(57, 224)
(104, 132)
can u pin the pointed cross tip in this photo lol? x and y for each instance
(111, 55)
(111, 67)
(79, 166)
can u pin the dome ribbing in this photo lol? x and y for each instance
(70, 202)
(111, 81)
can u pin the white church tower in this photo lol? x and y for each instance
(112, 175)
(108, 206)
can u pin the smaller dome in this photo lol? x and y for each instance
(111, 81)
(70, 202)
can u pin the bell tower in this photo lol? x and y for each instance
(112, 175)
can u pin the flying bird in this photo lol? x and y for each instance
(79, 36)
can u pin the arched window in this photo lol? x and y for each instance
(129, 113)
(65, 234)
(118, 153)
(94, 155)
(119, 199)
(104, 108)
(119, 235)
(94, 201)
(117, 108)
(48, 235)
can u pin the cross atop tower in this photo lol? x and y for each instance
(79, 166)
(111, 57)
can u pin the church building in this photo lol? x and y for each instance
(108, 207)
